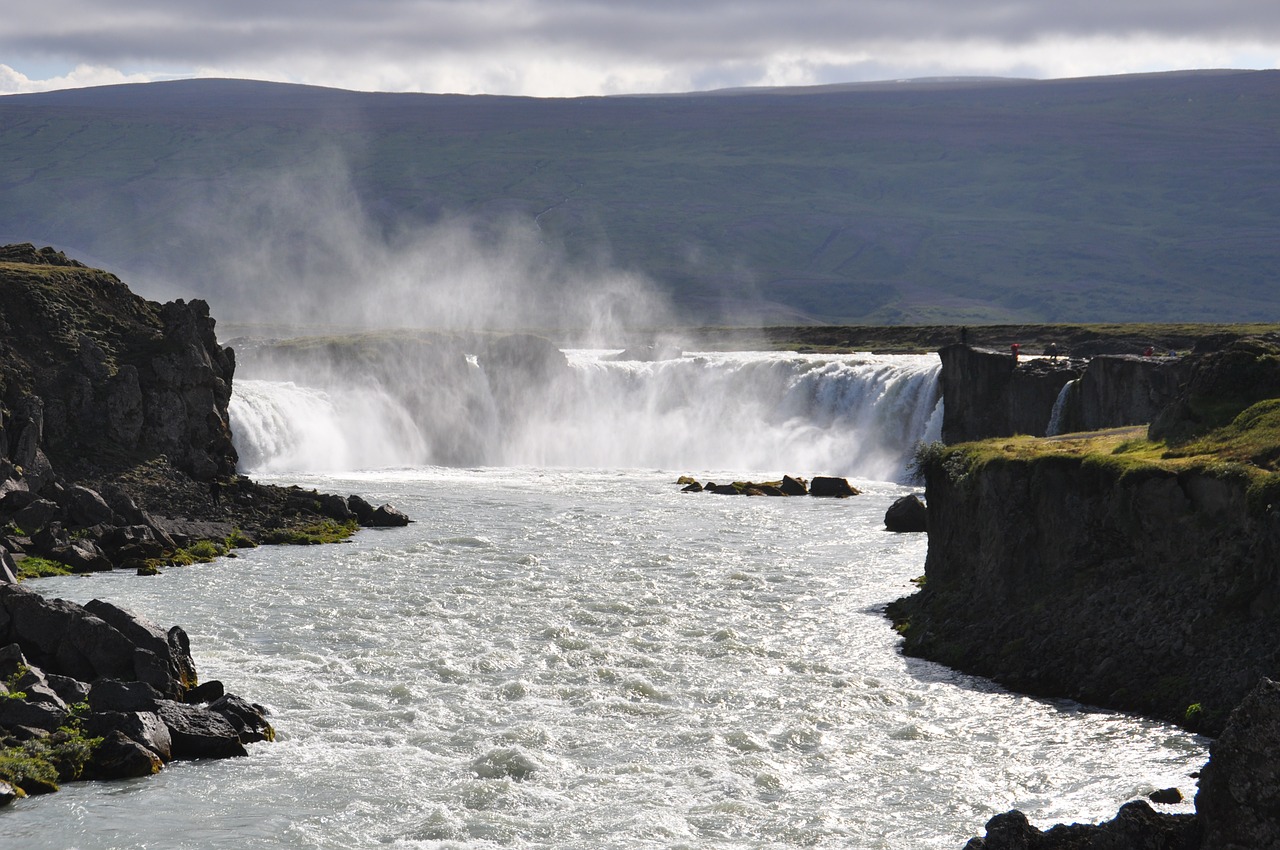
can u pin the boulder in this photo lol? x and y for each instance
(198, 732)
(33, 715)
(164, 658)
(794, 486)
(36, 515)
(205, 692)
(693, 487)
(143, 727)
(121, 757)
(385, 516)
(361, 509)
(827, 487)
(907, 514)
(8, 567)
(249, 719)
(82, 556)
(7, 794)
(115, 695)
(85, 507)
(334, 507)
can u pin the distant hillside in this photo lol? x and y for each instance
(1135, 198)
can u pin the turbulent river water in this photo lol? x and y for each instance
(588, 658)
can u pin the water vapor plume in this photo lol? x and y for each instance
(302, 247)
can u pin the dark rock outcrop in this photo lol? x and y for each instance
(115, 443)
(907, 514)
(1218, 385)
(1136, 827)
(986, 394)
(130, 675)
(832, 488)
(1239, 797)
(1237, 806)
(1153, 591)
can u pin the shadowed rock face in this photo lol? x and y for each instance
(93, 377)
(1059, 577)
(1239, 797)
(986, 395)
(1237, 806)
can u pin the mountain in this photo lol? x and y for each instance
(1131, 198)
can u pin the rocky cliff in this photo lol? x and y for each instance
(94, 379)
(1076, 575)
(987, 394)
(115, 451)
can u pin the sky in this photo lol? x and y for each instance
(569, 48)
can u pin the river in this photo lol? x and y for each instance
(587, 658)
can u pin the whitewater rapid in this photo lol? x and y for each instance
(857, 414)
(586, 659)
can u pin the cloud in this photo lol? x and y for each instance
(13, 82)
(575, 47)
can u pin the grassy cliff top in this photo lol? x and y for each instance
(1247, 449)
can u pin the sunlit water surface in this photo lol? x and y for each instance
(593, 659)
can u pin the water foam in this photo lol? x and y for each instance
(858, 415)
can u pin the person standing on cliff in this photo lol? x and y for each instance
(1013, 349)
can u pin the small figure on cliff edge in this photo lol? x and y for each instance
(1051, 350)
(1149, 351)
(1013, 349)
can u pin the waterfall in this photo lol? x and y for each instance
(1059, 405)
(278, 426)
(755, 412)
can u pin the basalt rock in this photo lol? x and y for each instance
(1239, 797)
(1151, 591)
(827, 487)
(133, 677)
(1136, 827)
(907, 514)
(990, 394)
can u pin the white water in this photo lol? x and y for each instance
(675, 670)
(588, 658)
(792, 413)
(1054, 427)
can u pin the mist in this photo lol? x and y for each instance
(298, 247)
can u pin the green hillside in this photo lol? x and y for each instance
(1140, 198)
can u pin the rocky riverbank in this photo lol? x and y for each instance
(116, 452)
(1134, 569)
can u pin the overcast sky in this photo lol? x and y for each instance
(584, 47)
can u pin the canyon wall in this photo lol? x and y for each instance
(987, 394)
(1134, 588)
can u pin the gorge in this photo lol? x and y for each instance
(559, 612)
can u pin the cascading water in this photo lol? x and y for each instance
(1059, 406)
(857, 415)
(282, 427)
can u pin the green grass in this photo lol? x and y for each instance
(325, 531)
(40, 764)
(36, 567)
(1247, 449)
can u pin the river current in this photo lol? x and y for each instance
(586, 658)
